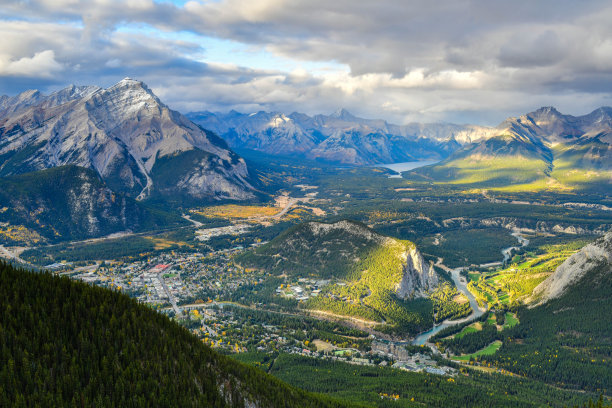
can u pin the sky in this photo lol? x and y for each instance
(462, 61)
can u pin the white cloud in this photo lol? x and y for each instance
(42, 64)
(399, 59)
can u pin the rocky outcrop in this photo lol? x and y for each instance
(595, 255)
(419, 276)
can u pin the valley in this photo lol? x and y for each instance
(299, 204)
(294, 264)
(252, 313)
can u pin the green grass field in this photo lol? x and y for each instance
(487, 351)
(466, 330)
(511, 320)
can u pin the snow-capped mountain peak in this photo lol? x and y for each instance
(122, 132)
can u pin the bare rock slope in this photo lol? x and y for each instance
(127, 135)
(595, 255)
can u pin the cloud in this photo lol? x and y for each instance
(42, 64)
(398, 59)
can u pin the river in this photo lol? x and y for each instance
(461, 284)
(507, 252)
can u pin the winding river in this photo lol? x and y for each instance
(461, 284)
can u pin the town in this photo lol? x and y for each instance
(202, 292)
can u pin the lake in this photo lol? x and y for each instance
(405, 166)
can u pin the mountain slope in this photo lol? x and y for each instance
(364, 274)
(594, 256)
(543, 149)
(120, 132)
(64, 343)
(71, 202)
(337, 250)
(340, 137)
(565, 338)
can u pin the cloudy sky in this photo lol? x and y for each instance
(401, 60)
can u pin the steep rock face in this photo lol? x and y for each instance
(340, 137)
(120, 132)
(418, 278)
(595, 255)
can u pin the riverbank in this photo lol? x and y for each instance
(461, 284)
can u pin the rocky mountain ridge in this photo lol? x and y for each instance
(122, 133)
(340, 137)
(541, 149)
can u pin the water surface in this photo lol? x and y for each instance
(405, 166)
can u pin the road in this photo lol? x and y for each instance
(287, 207)
(171, 298)
(197, 224)
(7, 253)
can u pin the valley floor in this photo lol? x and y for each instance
(190, 273)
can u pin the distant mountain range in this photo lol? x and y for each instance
(134, 142)
(542, 149)
(340, 137)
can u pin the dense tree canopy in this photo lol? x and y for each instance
(64, 343)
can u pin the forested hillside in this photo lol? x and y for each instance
(70, 202)
(369, 276)
(64, 343)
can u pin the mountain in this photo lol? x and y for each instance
(65, 343)
(564, 336)
(340, 137)
(365, 274)
(336, 250)
(11, 105)
(592, 259)
(134, 142)
(70, 202)
(542, 149)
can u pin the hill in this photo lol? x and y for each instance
(541, 150)
(64, 343)
(563, 336)
(596, 256)
(364, 274)
(135, 143)
(71, 202)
